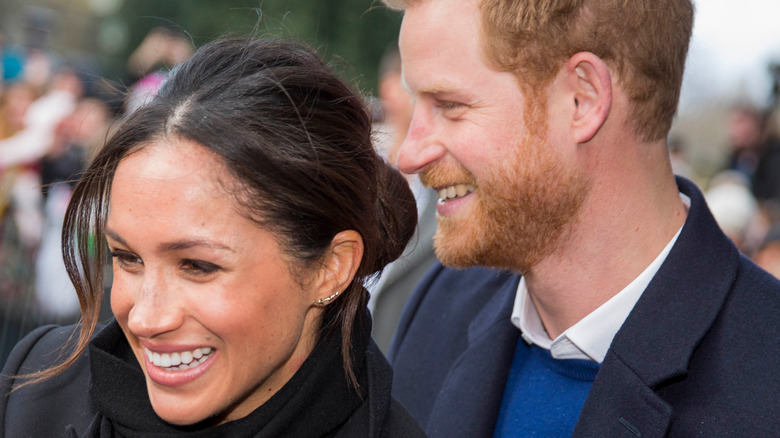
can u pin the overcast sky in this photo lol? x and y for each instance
(733, 42)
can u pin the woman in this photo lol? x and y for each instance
(243, 209)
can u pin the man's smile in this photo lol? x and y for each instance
(455, 191)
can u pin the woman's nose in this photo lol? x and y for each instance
(155, 309)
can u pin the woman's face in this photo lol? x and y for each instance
(197, 283)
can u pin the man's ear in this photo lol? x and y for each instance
(339, 265)
(590, 83)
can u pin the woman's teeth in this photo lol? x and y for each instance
(456, 191)
(179, 361)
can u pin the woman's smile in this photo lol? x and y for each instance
(178, 368)
(179, 361)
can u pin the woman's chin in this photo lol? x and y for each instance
(177, 417)
(181, 412)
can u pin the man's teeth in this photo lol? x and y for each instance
(179, 361)
(456, 191)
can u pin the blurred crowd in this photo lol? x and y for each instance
(53, 116)
(744, 196)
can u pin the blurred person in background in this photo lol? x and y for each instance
(76, 137)
(20, 179)
(397, 105)
(15, 99)
(754, 136)
(390, 292)
(766, 180)
(754, 142)
(161, 50)
(25, 149)
(29, 225)
(734, 207)
(745, 136)
(40, 63)
(21, 221)
(11, 62)
(33, 142)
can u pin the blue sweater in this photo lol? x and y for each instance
(543, 396)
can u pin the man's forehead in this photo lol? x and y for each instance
(434, 17)
(439, 39)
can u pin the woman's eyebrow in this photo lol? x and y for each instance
(177, 245)
(185, 244)
(116, 237)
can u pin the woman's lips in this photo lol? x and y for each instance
(179, 367)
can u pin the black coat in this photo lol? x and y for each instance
(699, 355)
(104, 394)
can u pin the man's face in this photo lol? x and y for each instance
(506, 195)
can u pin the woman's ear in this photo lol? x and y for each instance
(590, 84)
(339, 266)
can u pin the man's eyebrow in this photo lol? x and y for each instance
(445, 91)
(441, 87)
(436, 90)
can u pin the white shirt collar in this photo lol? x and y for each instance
(591, 337)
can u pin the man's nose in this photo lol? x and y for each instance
(422, 145)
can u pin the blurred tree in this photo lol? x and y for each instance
(355, 31)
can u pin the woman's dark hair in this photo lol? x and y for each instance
(298, 141)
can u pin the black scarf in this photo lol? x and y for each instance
(314, 403)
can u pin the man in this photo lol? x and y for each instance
(542, 124)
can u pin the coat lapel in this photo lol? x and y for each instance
(656, 342)
(471, 394)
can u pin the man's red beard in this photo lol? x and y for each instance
(521, 213)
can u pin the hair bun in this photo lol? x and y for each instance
(396, 214)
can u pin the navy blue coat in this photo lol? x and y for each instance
(699, 355)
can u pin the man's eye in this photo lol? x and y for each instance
(198, 267)
(447, 105)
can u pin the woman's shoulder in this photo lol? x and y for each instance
(401, 424)
(37, 349)
(381, 415)
(394, 422)
(48, 407)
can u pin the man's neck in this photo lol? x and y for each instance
(630, 216)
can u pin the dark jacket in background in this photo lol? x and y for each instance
(766, 179)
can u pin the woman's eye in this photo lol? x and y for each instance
(199, 267)
(126, 260)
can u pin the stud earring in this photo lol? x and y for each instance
(325, 301)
